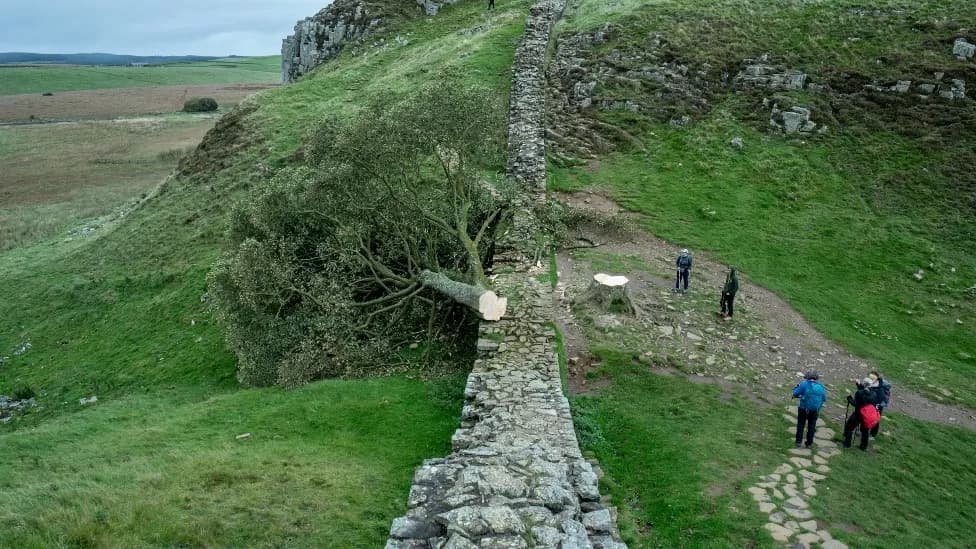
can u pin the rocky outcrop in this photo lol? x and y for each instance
(963, 50)
(11, 406)
(323, 36)
(431, 7)
(649, 79)
(761, 73)
(792, 120)
(516, 477)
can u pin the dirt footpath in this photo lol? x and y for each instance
(765, 349)
(118, 102)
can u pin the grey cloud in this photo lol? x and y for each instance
(180, 27)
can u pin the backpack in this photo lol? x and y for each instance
(886, 387)
(870, 416)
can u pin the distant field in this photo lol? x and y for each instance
(16, 79)
(59, 176)
(114, 103)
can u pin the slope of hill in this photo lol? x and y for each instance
(823, 149)
(123, 316)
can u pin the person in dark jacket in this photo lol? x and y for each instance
(812, 396)
(728, 293)
(881, 389)
(861, 397)
(683, 265)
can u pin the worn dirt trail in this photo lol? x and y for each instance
(765, 349)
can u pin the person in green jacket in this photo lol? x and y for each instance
(728, 293)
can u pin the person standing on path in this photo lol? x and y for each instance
(684, 270)
(812, 396)
(862, 397)
(881, 389)
(728, 293)
(491, 4)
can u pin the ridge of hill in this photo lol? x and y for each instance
(14, 57)
(122, 314)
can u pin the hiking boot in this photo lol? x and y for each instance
(798, 444)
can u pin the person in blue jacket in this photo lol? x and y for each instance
(812, 396)
(683, 265)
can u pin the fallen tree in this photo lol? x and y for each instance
(381, 239)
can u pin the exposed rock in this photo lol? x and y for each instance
(736, 142)
(792, 121)
(431, 7)
(761, 73)
(963, 50)
(956, 90)
(323, 36)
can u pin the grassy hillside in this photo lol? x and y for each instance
(61, 78)
(836, 223)
(60, 177)
(123, 316)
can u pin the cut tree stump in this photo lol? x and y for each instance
(610, 293)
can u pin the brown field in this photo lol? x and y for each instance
(114, 103)
(61, 176)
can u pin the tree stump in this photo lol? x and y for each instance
(610, 294)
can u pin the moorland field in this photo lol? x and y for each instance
(836, 224)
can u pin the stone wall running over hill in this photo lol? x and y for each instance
(516, 477)
(526, 129)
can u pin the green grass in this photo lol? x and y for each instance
(678, 456)
(62, 176)
(124, 315)
(62, 78)
(913, 487)
(818, 37)
(325, 466)
(795, 218)
(837, 224)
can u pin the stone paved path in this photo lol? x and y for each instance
(767, 347)
(784, 494)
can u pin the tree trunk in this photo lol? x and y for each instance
(488, 305)
(610, 293)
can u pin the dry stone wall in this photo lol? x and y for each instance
(516, 477)
(526, 129)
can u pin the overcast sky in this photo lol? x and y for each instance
(151, 27)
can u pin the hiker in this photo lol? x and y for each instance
(684, 268)
(812, 396)
(491, 4)
(862, 398)
(881, 388)
(728, 293)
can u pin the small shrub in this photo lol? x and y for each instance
(24, 392)
(200, 104)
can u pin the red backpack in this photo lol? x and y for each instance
(870, 416)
